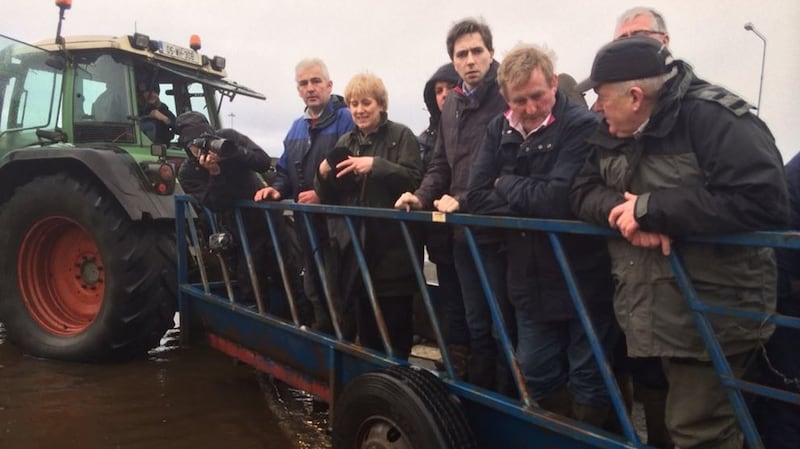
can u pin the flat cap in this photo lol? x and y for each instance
(626, 59)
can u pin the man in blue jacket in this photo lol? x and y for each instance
(528, 159)
(308, 141)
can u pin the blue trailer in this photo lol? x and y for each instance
(378, 400)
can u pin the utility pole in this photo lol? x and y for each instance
(231, 115)
(749, 27)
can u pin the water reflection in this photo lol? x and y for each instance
(178, 398)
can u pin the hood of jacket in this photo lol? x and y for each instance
(189, 126)
(328, 116)
(444, 73)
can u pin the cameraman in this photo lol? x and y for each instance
(222, 167)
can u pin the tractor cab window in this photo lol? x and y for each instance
(103, 109)
(29, 93)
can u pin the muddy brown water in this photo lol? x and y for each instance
(174, 398)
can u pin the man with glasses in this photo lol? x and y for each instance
(642, 21)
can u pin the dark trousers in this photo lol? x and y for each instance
(488, 367)
(778, 422)
(454, 317)
(397, 313)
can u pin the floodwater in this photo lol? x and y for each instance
(174, 398)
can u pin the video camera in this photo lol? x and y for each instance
(223, 148)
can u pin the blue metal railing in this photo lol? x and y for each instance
(525, 411)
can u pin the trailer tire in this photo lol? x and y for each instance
(80, 280)
(399, 408)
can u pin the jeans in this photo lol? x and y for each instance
(456, 331)
(488, 367)
(557, 353)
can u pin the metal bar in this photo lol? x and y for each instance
(762, 390)
(426, 298)
(714, 348)
(497, 318)
(320, 265)
(369, 287)
(761, 317)
(287, 285)
(198, 251)
(184, 300)
(775, 239)
(251, 268)
(594, 341)
(226, 277)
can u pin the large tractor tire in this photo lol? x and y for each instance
(399, 408)
(79, 280)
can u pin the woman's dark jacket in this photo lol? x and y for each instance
(397, 168)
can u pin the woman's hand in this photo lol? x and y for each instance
(359, 165)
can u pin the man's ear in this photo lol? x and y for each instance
(637, 97)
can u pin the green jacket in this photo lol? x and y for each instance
(702, 164)
(397, 168)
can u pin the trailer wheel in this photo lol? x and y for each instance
(399, 408)
(79, 280)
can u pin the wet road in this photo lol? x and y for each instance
(175, 398)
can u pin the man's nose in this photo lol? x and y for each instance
(470, 58)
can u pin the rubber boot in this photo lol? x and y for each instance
(591, 414)
(459, 357)
(322, 321)
(654, 402)
(560, 402)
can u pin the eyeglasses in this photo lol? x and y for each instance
(641, 33)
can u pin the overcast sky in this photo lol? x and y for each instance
(404, 41)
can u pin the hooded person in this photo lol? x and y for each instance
(436, 89)
(439, 237)
(222, 167)
(239, 161)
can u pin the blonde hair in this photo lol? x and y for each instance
(518, 65)
(367, 85)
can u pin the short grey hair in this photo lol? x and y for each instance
(650, 86)
(313, 62)
(659, 25)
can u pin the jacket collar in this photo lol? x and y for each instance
(665, 113)
(328, 115)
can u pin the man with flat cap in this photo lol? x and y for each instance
(677, 156)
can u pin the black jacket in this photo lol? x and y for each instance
(238, 179)
(703, 163)
(461, 131)
(438, 236)
(396, 168)
(531, 177)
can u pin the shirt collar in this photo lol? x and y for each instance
(517, 125)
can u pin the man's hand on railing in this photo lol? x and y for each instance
(267, 193)
(408, 201)
(308, 197)
(446, 204)
(622, 216)
(651, 240)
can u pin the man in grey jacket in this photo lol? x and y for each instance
(678, 156)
